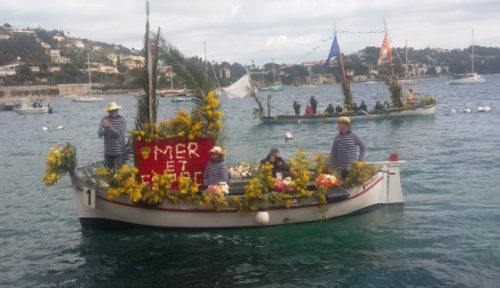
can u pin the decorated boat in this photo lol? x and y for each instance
(426, 106)
(162, 185)
(97, 210)
(420, 110)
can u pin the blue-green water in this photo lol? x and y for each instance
(445, 236)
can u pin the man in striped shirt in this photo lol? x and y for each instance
(343, 152)
(113, 127)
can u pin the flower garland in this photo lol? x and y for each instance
(204, 122)
(60, 160)
(359, 173)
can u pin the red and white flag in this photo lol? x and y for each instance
(385, 50)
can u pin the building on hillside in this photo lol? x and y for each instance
(58, 38)
(54, 68)
(226, 72)
(34, 69)
(96, 48)
(45, 45)
(9, 69)
(78, 44)
(133, 62)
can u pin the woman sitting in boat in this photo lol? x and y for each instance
(362, 106)
(330, 109)
(378, 106)
(338, 109)
(279, 165)
(309, 110)
(216, 170)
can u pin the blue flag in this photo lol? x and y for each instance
(334, 51)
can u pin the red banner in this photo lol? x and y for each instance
(177, 157)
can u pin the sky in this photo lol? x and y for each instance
(263, 31)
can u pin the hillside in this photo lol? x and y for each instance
(36, 56)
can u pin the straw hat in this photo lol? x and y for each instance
(112, 106)
(216, 150)
(345, 120)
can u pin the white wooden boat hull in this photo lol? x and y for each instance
(470, 78)
(281, 119)
(87, 99)
(25, 111)
(95, 210)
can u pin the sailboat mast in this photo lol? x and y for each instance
(406, 59)
(150, 67)
(390, 58)
(472, 56)
(90, 78)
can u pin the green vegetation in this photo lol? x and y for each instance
(111, 66)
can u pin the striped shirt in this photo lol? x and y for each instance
(215, 172)
(114, 135)
(343, 153)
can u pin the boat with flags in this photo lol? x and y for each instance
(426, 105)
(163, 186)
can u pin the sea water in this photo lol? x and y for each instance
(445, 236)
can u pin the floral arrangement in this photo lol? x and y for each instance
(204, 122)
(359, 174)
(244, 170)
(221, 189)
(424, 101)
(286, 185)
(60, 160)
(326, 180)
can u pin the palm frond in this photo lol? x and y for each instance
(144, 109)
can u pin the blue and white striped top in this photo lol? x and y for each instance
(343, 153)
(215, 172)
(114, 135)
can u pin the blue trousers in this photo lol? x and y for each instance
(113, 161)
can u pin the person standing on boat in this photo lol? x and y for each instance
(216, 170)
(296, 108)
(269, 105)
(344, 151)
(113, 127)
(314, 104)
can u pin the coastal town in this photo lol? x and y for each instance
(53, 63)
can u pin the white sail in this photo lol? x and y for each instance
(239, 89)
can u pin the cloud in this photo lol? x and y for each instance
(286, 30)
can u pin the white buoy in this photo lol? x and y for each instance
(467, 110)
(486, 108)
(262, 217)
(288, 135)
(60, 127)
(480, 109)
(453, 111)
(45, 128)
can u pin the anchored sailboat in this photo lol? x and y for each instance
(468, 78)
(88, 98)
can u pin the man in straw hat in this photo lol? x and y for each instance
(113, 127)
(343, 152)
